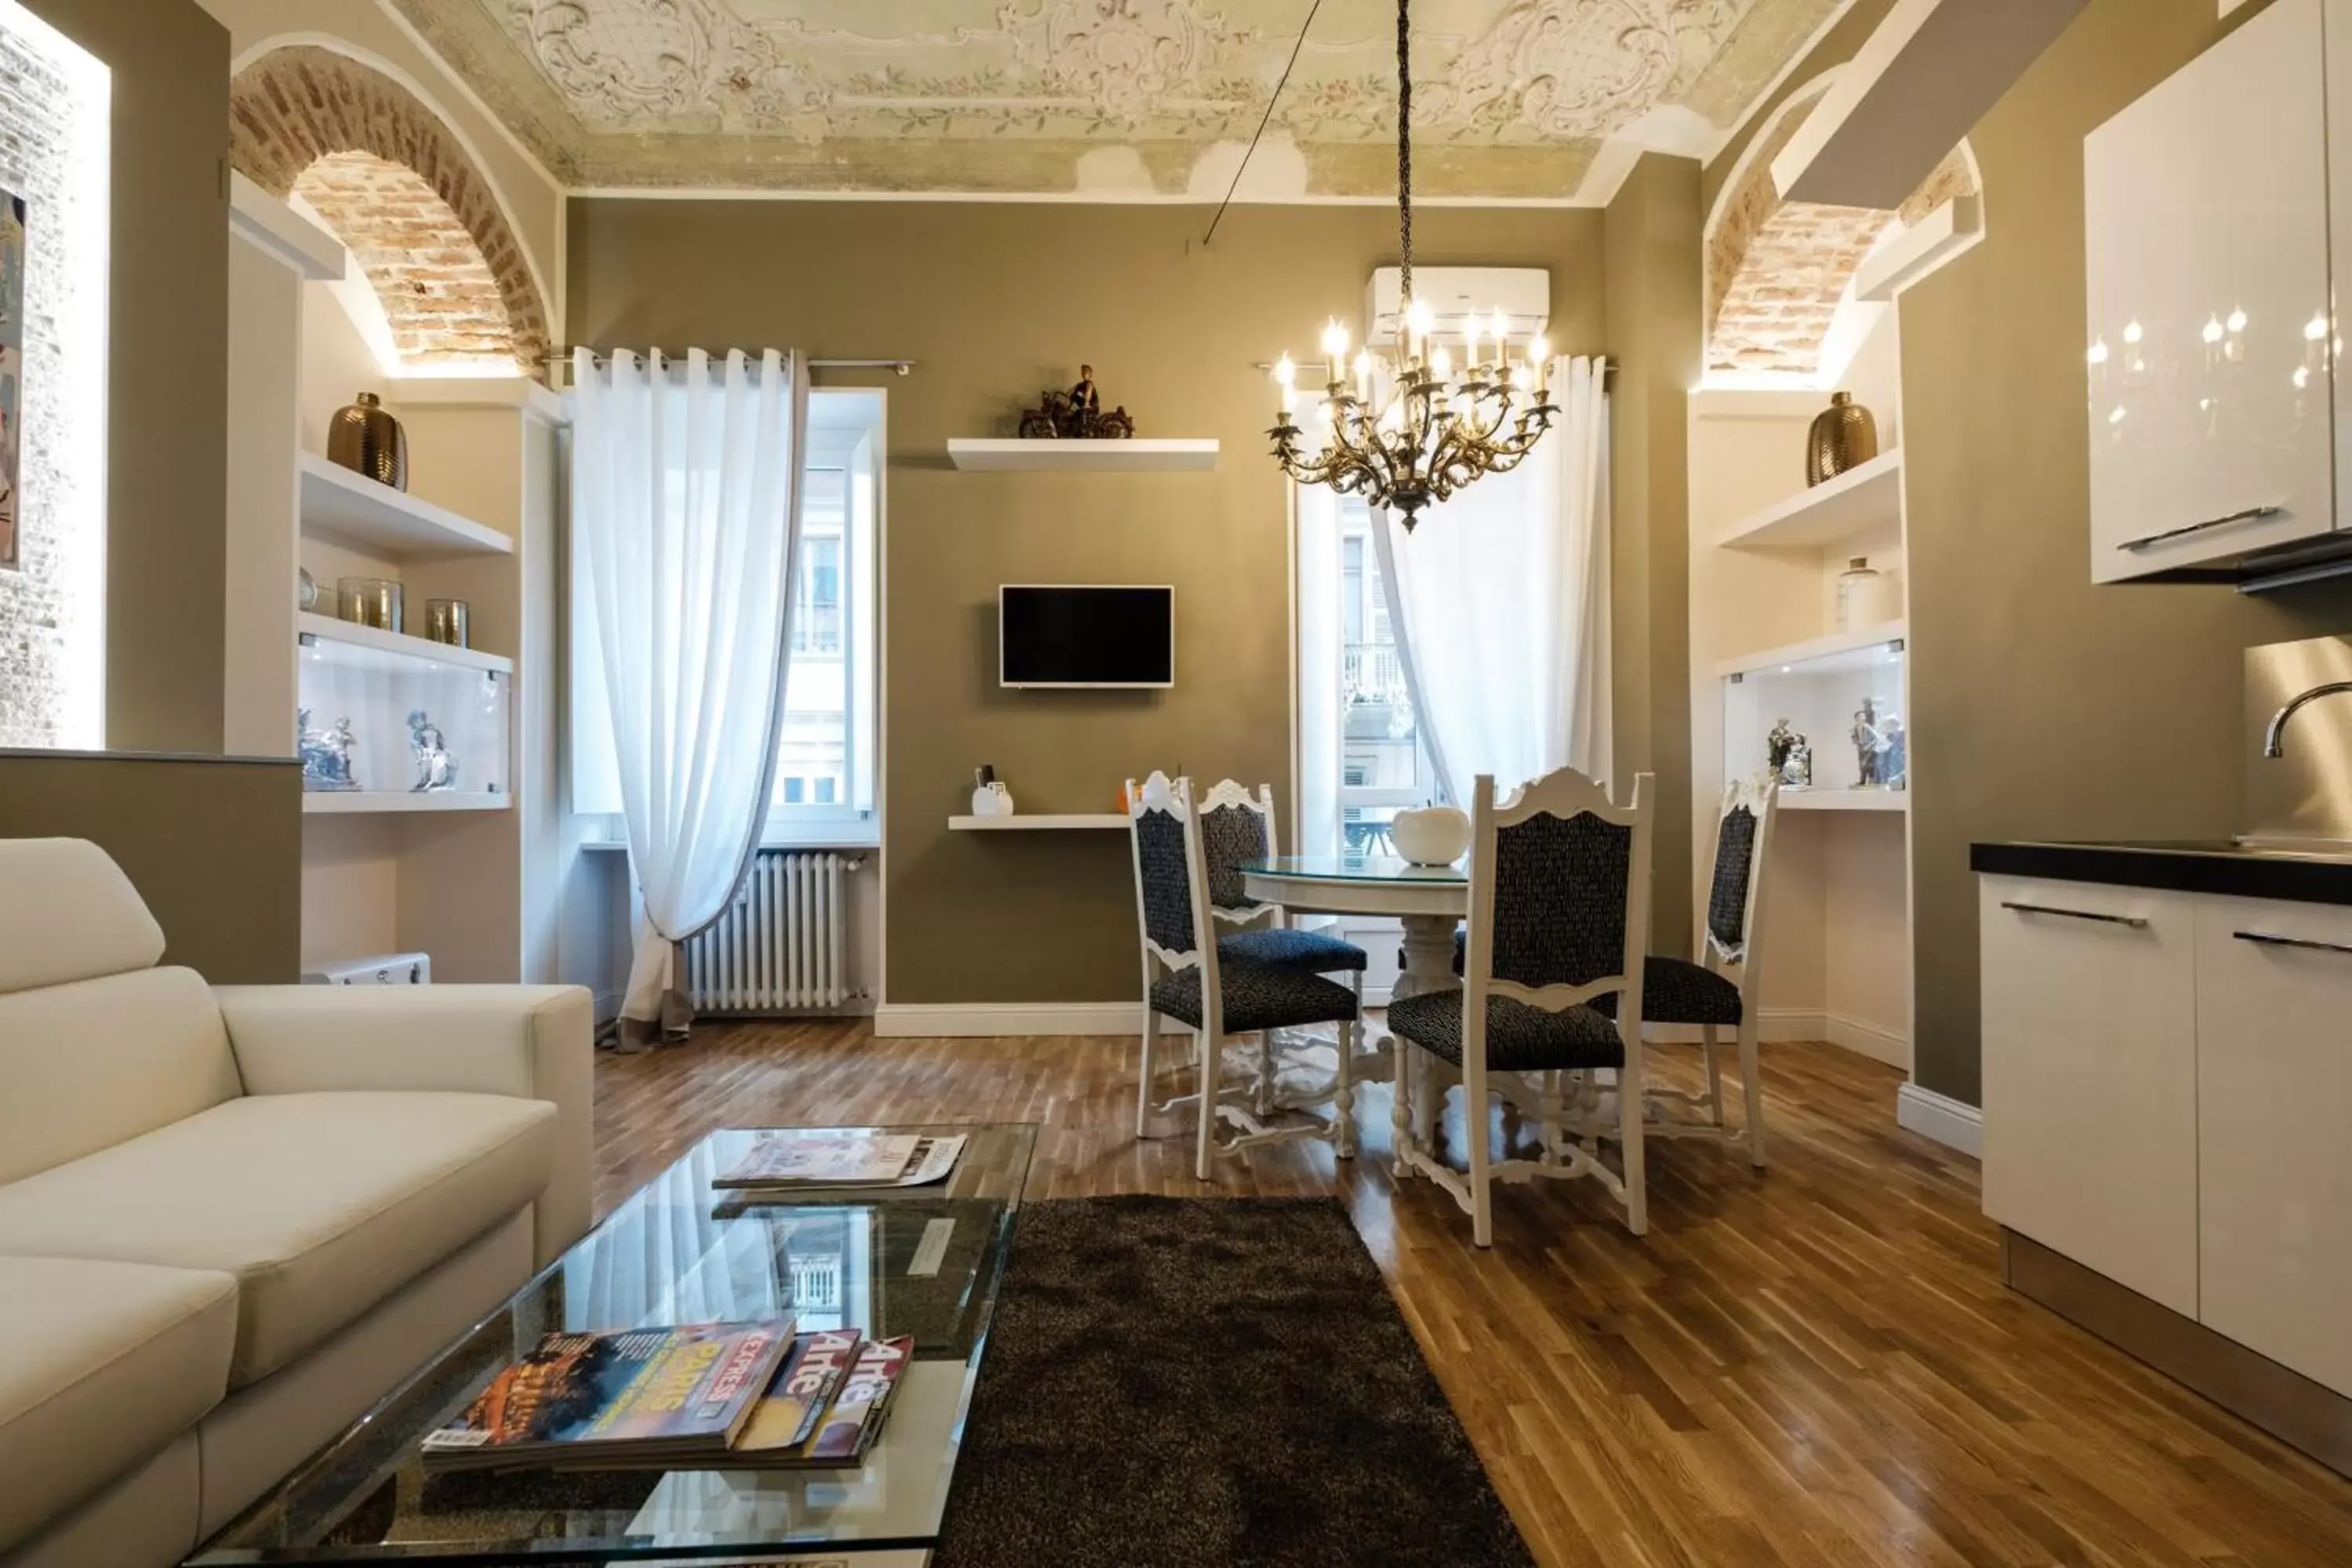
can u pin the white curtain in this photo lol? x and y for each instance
(1319, 634)
(1500, 601)
(687, 511)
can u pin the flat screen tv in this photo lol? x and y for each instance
(1062, 635)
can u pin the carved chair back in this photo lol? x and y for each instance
(1560, 906)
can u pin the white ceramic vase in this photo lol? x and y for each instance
(1431, 834)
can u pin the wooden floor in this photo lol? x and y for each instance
(1808, 1366)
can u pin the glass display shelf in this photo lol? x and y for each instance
(387, 722)
(1833, 712)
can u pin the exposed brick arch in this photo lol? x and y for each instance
(1777, 270)
(399, 190)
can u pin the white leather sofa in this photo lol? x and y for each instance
(233, 1218)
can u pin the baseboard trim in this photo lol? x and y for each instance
(1954, 1123)
(973, 1019)
(1866, 1039)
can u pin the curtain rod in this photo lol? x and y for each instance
(897, 367)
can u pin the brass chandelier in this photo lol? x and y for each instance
(1429, 432)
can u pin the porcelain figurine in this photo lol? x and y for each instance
(326, 753)
(1872, 747)
(436, 768)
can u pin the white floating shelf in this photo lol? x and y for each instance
(974, 456)
(1018, 823)
(1833, 510)
(394, 522)
(331, 630)
(1856, 649)
(1846, 800)
(339, 803)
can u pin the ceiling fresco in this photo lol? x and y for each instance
(1115, 98)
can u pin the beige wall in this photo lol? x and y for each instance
(996, 301)
(167, 361)
(2046, 706)
(1651, 265)
(213, 844)
(371, 32)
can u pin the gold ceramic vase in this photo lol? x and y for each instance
(1843, 436)
(366, 439)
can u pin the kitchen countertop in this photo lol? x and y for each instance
(2187, 866)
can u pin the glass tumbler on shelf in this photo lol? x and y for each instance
(369, 602)
(445, 621)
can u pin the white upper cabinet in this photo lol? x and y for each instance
(2211, 396)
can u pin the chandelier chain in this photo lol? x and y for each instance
(1405, 142)
(1409, 432)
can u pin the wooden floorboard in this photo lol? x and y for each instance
(1813, 1365)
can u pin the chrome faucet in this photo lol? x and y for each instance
(2271, 738)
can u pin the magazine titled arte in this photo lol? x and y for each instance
(675, 1396)
(794, 1160)
(798, 1427)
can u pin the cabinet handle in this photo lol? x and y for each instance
(2270, 939)
(2137, 922)
(2251, 514)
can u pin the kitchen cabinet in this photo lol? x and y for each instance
(2274, 1160)
(2090, 1077)
(2211, 396)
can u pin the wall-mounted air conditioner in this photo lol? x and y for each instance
(1522, 293)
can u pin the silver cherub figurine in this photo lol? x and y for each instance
(436, 768)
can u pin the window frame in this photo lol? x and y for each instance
(846, 433)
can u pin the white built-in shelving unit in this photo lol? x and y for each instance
(468, 874)
(1860, 498)
(978, 455)
(391, 522)
(1766, 647)
(1040, 821)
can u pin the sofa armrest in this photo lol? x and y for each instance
(535, 1042)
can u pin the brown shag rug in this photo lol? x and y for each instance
(1211, 1382)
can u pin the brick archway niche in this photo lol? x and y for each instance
(393, 182)
(1778, 271)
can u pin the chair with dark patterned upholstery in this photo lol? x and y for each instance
(1702, 996)
(1186, 977)
(1677, 991)
(1560, 906)
(1236, 827)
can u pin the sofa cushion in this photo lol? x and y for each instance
(103, 1364)
(320, 1204)
(67, 912)
(86, 1064)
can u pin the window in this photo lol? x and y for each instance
(825, 777)
(1382, 765)
(825, 760)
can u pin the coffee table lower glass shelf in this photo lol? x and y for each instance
(925, 1261)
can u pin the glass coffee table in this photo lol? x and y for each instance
(925, 1261)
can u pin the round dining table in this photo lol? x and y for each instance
(1430, 900)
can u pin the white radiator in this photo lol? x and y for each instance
(783, 945)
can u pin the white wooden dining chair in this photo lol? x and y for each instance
(1720, 990)
(1237, 827)
(1560, 908)
(1185, 979)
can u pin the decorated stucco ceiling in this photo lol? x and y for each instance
(1511, 98)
